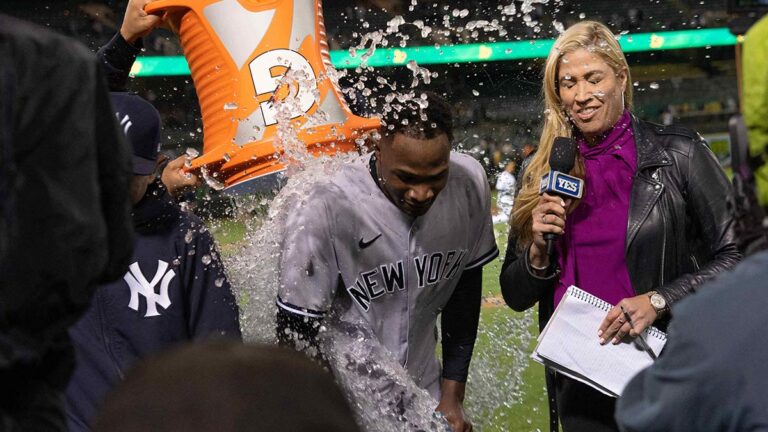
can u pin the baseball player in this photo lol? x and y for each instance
(174, 290)
(394, 240)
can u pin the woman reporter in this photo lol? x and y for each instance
(654, 222)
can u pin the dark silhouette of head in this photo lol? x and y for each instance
(225, 386)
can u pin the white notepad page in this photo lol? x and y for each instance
(569, 344)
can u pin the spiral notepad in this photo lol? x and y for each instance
(569, 344)
(605, 307)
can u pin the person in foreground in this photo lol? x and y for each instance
(396, 239)
(712, 374)
(64, 213)
(174, 289)
(226, 386)
(653, 224)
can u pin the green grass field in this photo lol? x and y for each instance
(529, 412)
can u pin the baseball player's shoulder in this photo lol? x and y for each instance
(325, 189)
(465, 164)
(465, 168)
(338, 187)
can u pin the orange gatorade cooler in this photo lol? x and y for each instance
(257, 64)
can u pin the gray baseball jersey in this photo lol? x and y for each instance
(348, 247)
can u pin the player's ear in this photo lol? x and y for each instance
(370, 145)
(376, 142)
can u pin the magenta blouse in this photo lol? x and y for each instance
(592, 250)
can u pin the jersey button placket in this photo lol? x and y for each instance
(410, 301)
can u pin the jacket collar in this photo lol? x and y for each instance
(649, 152)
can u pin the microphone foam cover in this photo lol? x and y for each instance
(563, 155)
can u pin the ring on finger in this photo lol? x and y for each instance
(621, 320)
(543, 217)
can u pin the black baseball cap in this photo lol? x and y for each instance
(140, 122)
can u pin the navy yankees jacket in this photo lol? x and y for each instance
(173, 291)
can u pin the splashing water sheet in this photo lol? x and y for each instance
(380, 390)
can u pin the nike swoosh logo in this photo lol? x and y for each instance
(364, 244)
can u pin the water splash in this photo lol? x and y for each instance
(419, 74)
(211, 180)
(383, 395)
(254, 268)
(380, 390)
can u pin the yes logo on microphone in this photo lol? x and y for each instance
(565, 184)
(555, 182)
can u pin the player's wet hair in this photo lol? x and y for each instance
(425, 118)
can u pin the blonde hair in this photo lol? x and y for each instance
(596, 38)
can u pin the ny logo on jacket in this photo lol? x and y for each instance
(140, 286)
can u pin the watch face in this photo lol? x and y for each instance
(658, 302)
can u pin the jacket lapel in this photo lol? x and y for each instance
(647, 186)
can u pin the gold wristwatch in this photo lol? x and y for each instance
(658, 302)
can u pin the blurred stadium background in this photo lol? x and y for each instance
(498, 104)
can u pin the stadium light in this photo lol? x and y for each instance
(146, 66)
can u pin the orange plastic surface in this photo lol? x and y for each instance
(227, 91)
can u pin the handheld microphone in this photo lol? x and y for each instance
(557, 181)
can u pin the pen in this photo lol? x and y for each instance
(640, 339)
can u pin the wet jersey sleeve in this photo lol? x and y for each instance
(484, 249)
(308, 268)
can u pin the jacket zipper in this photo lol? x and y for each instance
(656, 177)
(663, 248)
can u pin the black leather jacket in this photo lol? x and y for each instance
(680, 230)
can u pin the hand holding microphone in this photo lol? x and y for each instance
(557, 188)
